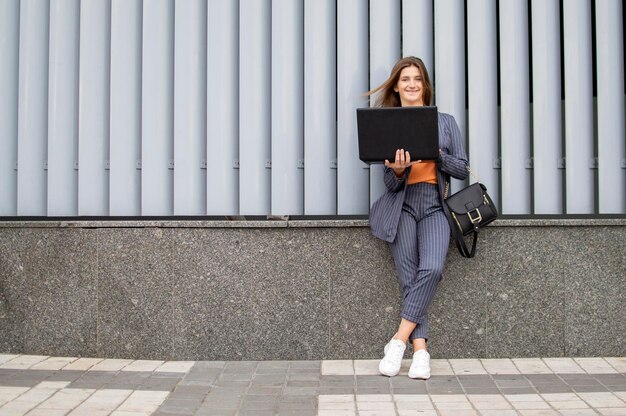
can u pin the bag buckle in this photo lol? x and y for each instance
(476, 219)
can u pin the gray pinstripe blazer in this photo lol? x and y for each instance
(385, 212)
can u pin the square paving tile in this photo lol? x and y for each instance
(416, 389)
(518, 390)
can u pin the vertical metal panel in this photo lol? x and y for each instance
(483, 92)
(223, 107)
(417, 31)
(547, 130)
(125, 143)
(352, 74)
(190, 107)
(515, 111)
(110, 82)
(63, 108)
(93, 121)
(320, 125)
(449, 77)
(157, 123)
(254, 106)
(287, 107)
(579, 178)
(611, 134)
(384, 52)
(32, 108)
(9, 78)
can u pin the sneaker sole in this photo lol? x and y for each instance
(388, 374)
(419, 377)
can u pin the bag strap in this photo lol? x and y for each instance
(458, 237)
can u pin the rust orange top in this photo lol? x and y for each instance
(423, 172)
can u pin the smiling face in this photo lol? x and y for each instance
(409, 87)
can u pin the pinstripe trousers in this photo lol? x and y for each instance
(419, 251)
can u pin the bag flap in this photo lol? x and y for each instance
(467, 199)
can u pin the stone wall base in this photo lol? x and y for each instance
(290, 290)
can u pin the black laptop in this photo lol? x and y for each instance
(384, 130)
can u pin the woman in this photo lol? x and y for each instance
(409, 216)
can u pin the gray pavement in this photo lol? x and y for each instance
(41, 385)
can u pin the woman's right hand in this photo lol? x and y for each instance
(402, 161)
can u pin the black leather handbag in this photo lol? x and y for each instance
(468, 211)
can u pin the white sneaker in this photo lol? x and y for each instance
(392, 361)
(420, 367)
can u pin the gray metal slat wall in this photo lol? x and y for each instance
(9, 57)
(254, 106)
(514, 110)
(157, 108)
(32, 115)
(578, 108)
(547, 107)
(449, 56)
(384, 23)
(482, 90)
(126, 94)
(246, 107)
(63, 107)
(352, 82)
(190, 96)
(610, 114)
(287, 108)
(320, 107)
(94, 108)
(222, 133)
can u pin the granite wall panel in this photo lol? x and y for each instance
(135, 284)
(524, 276)
(365, 298)
(48, 283)
(302, 290)
(250, 294)
(595, 302)
(11, 290)
(458, 320)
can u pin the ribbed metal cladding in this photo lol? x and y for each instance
(32, 120)
(482, 89)
(157, 108)
(63, 107)
(384, 52)
(222, 135)
(320, 107)
(9, 76)
(190, 107)
(125, 96)
(579, 117)
(255, 106)
(515, 108)
(247, 107)
(547, 107)
(287, 107)
(352, 82)
(94, 108)
(449, 57)
(611, 129)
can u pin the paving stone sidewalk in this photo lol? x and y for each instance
(50, 386)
